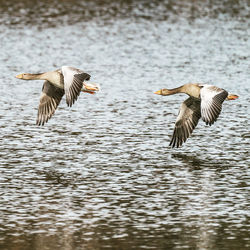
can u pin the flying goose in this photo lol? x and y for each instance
(67, 80)
(205, 101)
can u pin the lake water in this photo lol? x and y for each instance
(100, 175)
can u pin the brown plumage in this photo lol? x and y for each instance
(49, 101)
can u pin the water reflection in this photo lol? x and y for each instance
(107, 178)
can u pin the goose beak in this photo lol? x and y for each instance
(159, 92)
(232, 97)
(20, 76)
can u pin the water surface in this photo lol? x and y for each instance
(100, 175)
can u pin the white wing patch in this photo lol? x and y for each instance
(212, 98)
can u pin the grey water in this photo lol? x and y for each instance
(100, 175)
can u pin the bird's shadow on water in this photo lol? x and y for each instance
(197, 163)
(55, 177)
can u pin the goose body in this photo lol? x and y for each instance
(67, 80)
(205, 101)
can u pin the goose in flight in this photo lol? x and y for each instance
(205, 101)
(67, 80)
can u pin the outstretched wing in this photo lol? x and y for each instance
(73, 83)
(49, 100)
(187, 119)
(212, 98)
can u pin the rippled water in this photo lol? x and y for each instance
(100, 175)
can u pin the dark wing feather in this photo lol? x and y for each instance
(187, 119)
(49, 100)
(212, 98)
